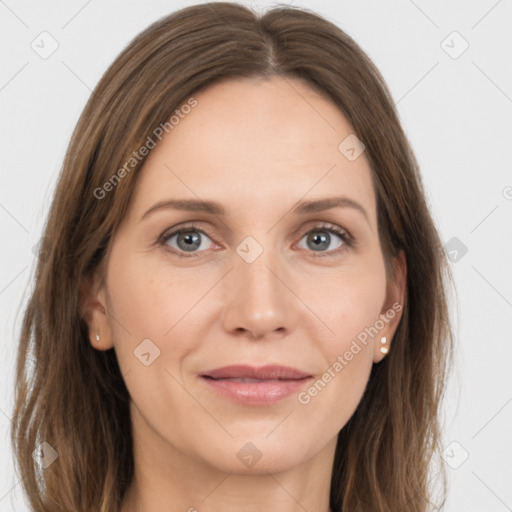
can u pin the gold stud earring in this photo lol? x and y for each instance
(384, 350)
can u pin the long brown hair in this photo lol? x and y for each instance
(74, 398)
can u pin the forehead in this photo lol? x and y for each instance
(246, 141)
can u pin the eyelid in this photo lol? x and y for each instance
(342, 233)
(176, 230)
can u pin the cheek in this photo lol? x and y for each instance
(149, 298)
(151, 310)
(347, 352)
(334, 395)
(350, 306)
(348, 302)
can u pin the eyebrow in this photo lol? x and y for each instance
(301, 208)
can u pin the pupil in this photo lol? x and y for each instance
(323, 240)
(191, 241)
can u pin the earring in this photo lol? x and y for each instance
(384, 350)
(97, 337)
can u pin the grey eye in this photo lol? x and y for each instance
(188, 240)
(320, 240)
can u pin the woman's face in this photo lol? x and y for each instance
(271, 275)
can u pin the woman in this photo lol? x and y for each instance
(242, 303)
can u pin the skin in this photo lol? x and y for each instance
(256, 147)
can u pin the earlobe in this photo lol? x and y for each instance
(94, 311)
(381, 348)
(384, 349)
(100, 333)
(392, 310)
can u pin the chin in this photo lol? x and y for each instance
(257, 455)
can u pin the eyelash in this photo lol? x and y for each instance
(329, 228)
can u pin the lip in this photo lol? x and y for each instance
(265, 385)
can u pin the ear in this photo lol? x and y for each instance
(392, 309)
(93, 308)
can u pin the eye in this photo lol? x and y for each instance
(188, 239)
(320, 238)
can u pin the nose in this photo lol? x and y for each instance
(258, 299)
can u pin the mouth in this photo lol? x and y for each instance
(242, 379)
(269, 372)
(255, 386)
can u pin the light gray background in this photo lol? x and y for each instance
(457, 113)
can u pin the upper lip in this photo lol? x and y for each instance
(269, 372)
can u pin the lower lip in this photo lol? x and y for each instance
(256, 393)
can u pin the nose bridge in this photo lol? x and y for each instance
(256, 299)
(258, 281)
